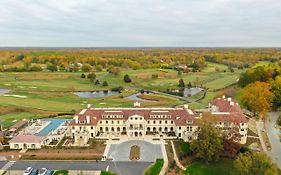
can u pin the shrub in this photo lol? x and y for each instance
(105, 83)
(83, 75)
(279, 121)
(127, 79)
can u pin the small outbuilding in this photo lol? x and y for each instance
(26, 141)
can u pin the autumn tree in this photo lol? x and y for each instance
(209, 143)
(254, 163)
(257, 97)
(114, 70)
(276, 89)
(86, 68)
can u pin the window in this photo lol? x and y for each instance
(148, 122)
(106, 122)
(180, 128)
(160, 122)
(166, 122)
(73, 127)
(112, 122)
(100, 122)
(92, 127)
(172, 122)
(92, 134)
(154, 122)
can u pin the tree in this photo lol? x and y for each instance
(189, 85)
(276, 89)
(97, 82)
(92, 76)
(208, 145)
(257, 97)
(114, 70)
(127, 79)
(83, 75)
(105, 83)
(52, 67)
(230, 148)
(254, 163)
(181, 83)
(86, 68)
(35, 69)
(179, 72)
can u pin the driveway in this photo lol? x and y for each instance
(121, 168)
(273, 135)
(148, 152)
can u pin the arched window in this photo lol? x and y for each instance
(112, 129)
(154, 129)
(100, 129)
(118, 129)
(106, 129)
(166, 129)
(160, 129)
(148, 129)
(171, 129)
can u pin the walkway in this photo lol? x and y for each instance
(273, 135)
(260, 129)
(176, 157)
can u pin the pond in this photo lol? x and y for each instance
(136, 98)
(4, 91)
(192, 91)
(95, 94)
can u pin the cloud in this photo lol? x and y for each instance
(96, 23)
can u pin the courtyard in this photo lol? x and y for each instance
(149, 151)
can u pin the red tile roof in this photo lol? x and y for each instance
(178, 115)
(230, 111)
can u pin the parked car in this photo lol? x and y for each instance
(34, 172)
(43, 171)
(28, 171)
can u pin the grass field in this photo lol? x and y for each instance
(223, 167)
(155, 168)
(49, 92)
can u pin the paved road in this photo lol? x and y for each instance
(121, 168)
(2, 163)
(273, 135)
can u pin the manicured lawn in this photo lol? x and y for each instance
(61, 172)
(10, 119)
(223, 167)
(53, 92)
(155, 168)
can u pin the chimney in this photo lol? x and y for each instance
(229, 99)
(231, 103)
(89, 105)
(88, 119)
(223, 97)
(76, 119)
(185, 106)
(136, 104)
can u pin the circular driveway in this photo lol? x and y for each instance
(148, 152)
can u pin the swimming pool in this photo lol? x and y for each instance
(53, 125)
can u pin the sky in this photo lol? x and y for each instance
(140, 23)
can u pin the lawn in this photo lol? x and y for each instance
(155, 168)
(223, 167)
(11, 118)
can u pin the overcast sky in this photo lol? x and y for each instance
(102, 23)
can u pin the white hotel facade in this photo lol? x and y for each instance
(138, 122)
